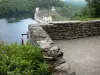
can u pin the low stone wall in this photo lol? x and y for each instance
(52, 53)
(39, 35)
(72, 30)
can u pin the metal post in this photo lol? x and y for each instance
(23, 39)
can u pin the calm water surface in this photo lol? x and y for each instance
(11, 32)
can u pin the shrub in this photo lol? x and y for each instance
(21, 60)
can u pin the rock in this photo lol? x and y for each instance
(60, 54)
(56, 62)
(48, 58)
(52, 53)
(47, 43)
(64, 69)
(59, 61)
(55, 48)
(43, 44)
(63, 73)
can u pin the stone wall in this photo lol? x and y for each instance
(72, 30)
(52, 54)
(39, 35)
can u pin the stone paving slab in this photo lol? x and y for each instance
(83, 55)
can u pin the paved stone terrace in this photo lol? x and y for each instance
(83, 55)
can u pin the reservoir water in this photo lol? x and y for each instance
(11, 32)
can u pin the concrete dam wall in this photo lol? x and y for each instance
(72, 30)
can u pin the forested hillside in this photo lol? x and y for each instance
(9, 8)
(70, 9)
(94, 8)
(74, 10)
(90, 11)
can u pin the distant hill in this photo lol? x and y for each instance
(76, 3)
(74, 6)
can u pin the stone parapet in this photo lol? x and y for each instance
(52, 53)
(72, 30)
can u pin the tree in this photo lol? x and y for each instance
(94, 8)
(14, 7)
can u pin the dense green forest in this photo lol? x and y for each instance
(91, 10)
(13, 8)
(9, 8)
(69, 10)
(94, 8)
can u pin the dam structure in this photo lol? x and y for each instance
(42, 16)
(69, 47)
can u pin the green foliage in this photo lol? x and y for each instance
(21, 60)
(94, 8)
(69, 10)
(82, 14)
(57, 17)
(9, 8)
(90, 11)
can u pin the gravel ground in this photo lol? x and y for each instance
(83, 55)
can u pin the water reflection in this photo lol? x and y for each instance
(11, 32)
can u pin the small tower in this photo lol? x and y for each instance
(53, 8)
(37, 9)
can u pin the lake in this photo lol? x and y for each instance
(11, 32)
